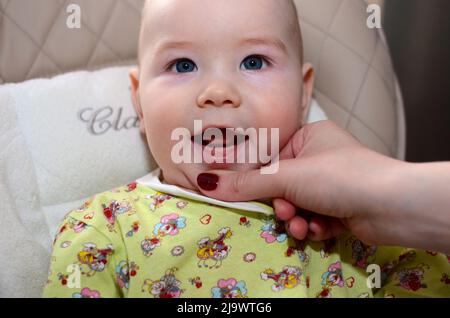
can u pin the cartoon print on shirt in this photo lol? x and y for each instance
(288, 278)
(85, 205)
(331, 278)
(181, 204)
(169, 225)
(177, 251)
(196, 281)
(124, 272)
(87, 293)
(168, 286)
(229, 288)
(249, 257)
(94, 257)
(114, 209)
(148, 245)
(215, 250)
(362, 254)
(273, 231)
(131, 187)
(157, 200)
(244, 221)
(89, 216)
(388, 268)
(134, 229)
(63, 278)
(206, 219)
(412, 278)
(298, 249)
(445, 279)
(70, 224)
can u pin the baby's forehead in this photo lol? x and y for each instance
(230, 18)
(219, 21)
(251, 7)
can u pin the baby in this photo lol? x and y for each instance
(230, 64)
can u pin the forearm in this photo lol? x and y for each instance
(414, 205)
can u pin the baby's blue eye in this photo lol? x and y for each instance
(184, 66)
(253, 62)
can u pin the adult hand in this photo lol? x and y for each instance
(325, 170)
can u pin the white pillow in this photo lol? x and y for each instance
(80, 134)
(316, 113)
(81, 138)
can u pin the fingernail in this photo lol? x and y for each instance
(208, 181)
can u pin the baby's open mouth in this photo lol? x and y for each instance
(227, 137)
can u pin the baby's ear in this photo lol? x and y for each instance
(134, 79)
(308, 87)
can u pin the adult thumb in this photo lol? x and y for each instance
(244, 185)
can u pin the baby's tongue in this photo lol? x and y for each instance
(218, 154)
(220, 141)
(218, 150)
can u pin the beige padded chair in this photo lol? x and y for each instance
(355, 81)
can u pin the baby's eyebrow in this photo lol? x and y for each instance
(275, 42)
(268, 41)
(174, 45)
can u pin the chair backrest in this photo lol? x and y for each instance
(355, 82)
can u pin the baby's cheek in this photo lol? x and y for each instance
(159, 137)
(287, 126)
(286, 119)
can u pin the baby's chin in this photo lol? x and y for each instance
(231, 166)
(185, 175)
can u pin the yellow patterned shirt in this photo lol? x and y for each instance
(147, 239)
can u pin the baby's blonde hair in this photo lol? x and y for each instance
(293, 21)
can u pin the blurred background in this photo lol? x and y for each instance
(418, 33)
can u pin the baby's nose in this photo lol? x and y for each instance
(219, 95)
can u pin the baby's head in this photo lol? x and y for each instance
(228, 63)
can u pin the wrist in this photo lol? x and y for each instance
(408, 208)
(384, 201)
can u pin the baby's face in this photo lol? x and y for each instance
(229, 63)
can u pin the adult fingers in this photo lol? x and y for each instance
(284, 210)
(323, 228)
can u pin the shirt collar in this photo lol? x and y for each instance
(152, 181)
